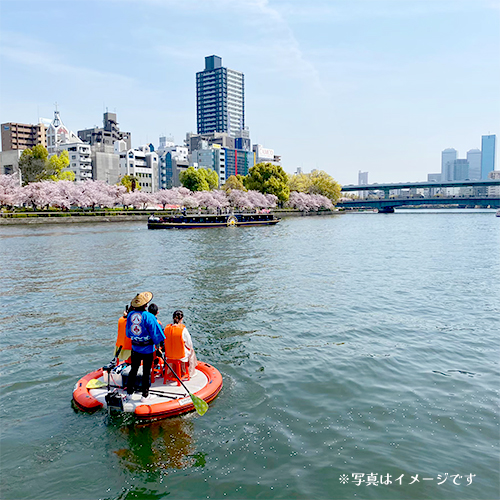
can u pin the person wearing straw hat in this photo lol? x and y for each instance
(145, 332)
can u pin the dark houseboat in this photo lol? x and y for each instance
(206, 220)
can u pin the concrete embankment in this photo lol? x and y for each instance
(72, 219)
(34, 218)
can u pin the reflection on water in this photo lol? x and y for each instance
(159, 446)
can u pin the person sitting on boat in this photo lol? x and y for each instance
(178, 343)
(153, 309)
(145, 332)
(123, 343)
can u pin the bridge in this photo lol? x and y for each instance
(388, 203)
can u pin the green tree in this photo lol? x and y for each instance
(199, 179)
(57, 168)
(322, 183)
(211, 177)
(268, 179)
(35, 166)
(131, 182)
(32, 164)
(193, 179)
(299, 183)
(317, 182)
(234, 182)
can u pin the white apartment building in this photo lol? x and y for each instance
(79, 159)
(142, 163)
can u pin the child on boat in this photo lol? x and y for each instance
(123, 346)
(178, 344)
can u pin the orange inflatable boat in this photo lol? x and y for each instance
(105, 388)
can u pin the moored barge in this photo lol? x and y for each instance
(197, 221)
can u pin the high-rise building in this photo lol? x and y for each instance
(362, 178)
(220, 97)
(460, 170)
(448, 156)
(474, 159)
(488, 143)
(22, 136)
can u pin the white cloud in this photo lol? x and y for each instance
(45, 59)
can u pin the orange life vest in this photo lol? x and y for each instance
(122, 339)
(174, 345)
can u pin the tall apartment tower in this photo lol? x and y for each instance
(220, 98)
(448, 156)
(488, 143)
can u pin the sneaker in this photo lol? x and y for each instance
(146, 399)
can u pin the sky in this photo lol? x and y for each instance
(379, 86)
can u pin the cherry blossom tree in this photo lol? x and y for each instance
(38, 194)
(137, 199)
(208, 199)
(272, 200)
(221, 198)
(92, 194)
(10, 190)
(239, 199)
(65, 194)
(167, 197)
(308, 202)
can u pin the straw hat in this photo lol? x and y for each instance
(141, 299)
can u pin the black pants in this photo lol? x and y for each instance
(147, 362)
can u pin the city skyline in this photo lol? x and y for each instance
(377, 86)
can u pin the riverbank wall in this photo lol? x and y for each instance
(75, 218)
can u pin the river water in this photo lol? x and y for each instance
(359, 354)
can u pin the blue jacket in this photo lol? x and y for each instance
(144, 331)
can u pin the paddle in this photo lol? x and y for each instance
(111, 365)
(200, 405)
(99, 384)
